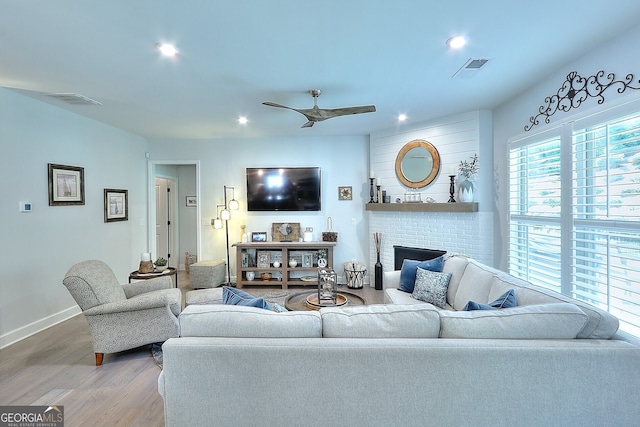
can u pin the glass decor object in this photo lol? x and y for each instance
(327, 287)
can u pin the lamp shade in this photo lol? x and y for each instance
(225, 215)
(216, 223)
(234, 205)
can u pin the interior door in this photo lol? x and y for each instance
(164, 218)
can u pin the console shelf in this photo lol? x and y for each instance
(304, 273)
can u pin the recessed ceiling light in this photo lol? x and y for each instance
(456, 42)
(402, 117)
(243, 120)
(167, 49)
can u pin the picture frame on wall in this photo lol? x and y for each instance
(66, 185)
(116, 205)
(191, 201)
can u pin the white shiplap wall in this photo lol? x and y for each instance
(456, 138)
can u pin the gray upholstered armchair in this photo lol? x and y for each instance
(123, 317)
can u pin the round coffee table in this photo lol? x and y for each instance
(171, 271)
(298, 302)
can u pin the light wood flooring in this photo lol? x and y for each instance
(57, 367)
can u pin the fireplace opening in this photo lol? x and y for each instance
(400, 253)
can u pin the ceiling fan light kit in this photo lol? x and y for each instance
(317, 114)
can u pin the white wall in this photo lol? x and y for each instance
(39, 247)
(456, 138)
(222, 162)
(619, 56)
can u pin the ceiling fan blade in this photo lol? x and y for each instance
(335, 112)
(273, 104)
(316, 114)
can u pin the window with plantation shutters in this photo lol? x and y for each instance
(574, 211)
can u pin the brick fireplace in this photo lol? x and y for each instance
(465, 233)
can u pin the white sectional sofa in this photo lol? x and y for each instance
(406, 363)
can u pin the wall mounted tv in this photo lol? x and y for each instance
(283, 189)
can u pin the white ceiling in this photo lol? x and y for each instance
(236, 54)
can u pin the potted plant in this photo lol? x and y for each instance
(161, 264)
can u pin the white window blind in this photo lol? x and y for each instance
(596, 205)
(606, 216)
(535, 193)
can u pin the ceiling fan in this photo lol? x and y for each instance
(316, 114)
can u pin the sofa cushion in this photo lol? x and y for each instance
(431, 287)
(547, 321)
(506, 300)
(233, 296)
(475, 285)
(601, 324)
(381, 321)
(409, 270)
(248, 322)
(456, 265)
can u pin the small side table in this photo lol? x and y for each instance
(171, 271)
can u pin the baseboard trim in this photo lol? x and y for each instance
(38, 326)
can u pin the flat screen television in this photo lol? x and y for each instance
(283, 189)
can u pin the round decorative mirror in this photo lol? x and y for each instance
(417, 164)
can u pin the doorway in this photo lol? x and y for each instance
(172, 223)
(166, 220)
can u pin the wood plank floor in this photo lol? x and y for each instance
(57, 367)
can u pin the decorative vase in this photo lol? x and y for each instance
(293, 263)
(466, 191)
(378, 274)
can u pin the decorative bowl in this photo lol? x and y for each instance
(266, 276)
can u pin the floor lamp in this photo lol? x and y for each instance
(225, 215)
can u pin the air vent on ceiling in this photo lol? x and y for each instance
(469, 68)
(74, 99)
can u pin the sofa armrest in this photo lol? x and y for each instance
(391, 279)
(149, 285)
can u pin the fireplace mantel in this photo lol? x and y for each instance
(423, 207)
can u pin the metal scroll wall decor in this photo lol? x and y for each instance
(577, 89)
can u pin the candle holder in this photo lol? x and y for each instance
(371, 190)
(378, 194)
(452, 188)
(145, 267)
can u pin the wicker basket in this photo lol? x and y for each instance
(188, 260)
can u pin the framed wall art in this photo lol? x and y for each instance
(264, 259)
(259, 236)
(66, 185)
(345, 193)
(191, 201)
(116, 205)
(285, 231)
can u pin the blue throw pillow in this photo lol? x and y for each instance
(506, 300)
(235, 296)
(410, 267)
